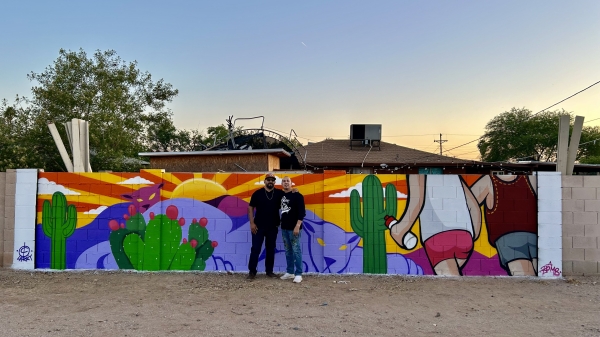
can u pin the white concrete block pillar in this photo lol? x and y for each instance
(549, 225)
(25, 213)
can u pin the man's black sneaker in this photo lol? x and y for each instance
(272, 275)
(250, 276)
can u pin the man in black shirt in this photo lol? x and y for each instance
(264, 225)
(292, 214)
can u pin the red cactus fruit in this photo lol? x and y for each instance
(194, 220)
(181, 221)
(214, 244)
(125, 216)
(131, 209)
(151, 215)
(122, 225)
(184, 241)
(172, 212)
(203, 222)
(113, 225)
(194, 243)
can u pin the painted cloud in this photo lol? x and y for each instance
(96, 211)
(136, 181)
(46, 186)
(358, 187)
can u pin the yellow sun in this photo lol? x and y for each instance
(199, 189)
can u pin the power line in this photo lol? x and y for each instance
(577, 93)
(591, 141)
(461, 154)
(467, 143)
(441, 141)
(591, 120)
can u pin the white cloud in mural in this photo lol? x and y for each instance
(136, 181)
(46, 186)
(277, 182)
(96, 211)
(358, 187)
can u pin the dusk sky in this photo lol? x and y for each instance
(419, 68)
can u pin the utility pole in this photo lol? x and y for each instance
(440, 141)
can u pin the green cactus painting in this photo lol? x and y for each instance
(369, 223)
(159, 245)
(58, 223)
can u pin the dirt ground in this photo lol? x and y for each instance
(221, 304)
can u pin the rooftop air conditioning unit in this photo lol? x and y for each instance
(366, 134)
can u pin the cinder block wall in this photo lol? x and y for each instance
(8, 186)
(2, 201)
(581, 228)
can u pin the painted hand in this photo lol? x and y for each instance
(389, 221)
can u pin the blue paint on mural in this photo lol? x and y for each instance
(327, 248)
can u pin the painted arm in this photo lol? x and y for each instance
(474, 210)
(482, 192)
(416, 199)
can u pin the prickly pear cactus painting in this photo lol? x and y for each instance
(369, 222)
(158, 245)
(58, 223)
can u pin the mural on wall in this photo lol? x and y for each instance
(58, 223)
(368, 221)
(511, 218)
(198, 221)
(158, 245)
(451, 214)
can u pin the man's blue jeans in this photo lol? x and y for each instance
(293, 251)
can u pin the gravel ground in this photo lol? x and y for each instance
(219, 304)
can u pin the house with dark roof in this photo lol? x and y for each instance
(258, 160)
(382, 157)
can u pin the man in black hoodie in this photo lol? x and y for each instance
(292, 214)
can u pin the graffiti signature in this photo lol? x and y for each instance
(550, 268)
(24, 253)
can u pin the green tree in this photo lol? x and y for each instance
(519, 134)
(163, 136)
(119, 100)
(589, 145)
(14, 122)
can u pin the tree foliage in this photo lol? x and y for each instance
(120, 101)
(126, 109)
(519, 134)
(14, 122)
(163, 136)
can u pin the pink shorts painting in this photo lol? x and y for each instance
(453, 244)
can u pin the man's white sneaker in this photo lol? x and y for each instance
(298, 279)
(287, 276)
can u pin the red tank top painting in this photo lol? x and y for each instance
(514, 210)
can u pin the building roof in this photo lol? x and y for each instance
(277, 152)
(337, 152)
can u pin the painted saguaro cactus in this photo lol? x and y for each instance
(58, 223)
(370, 223)
(159, 245)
